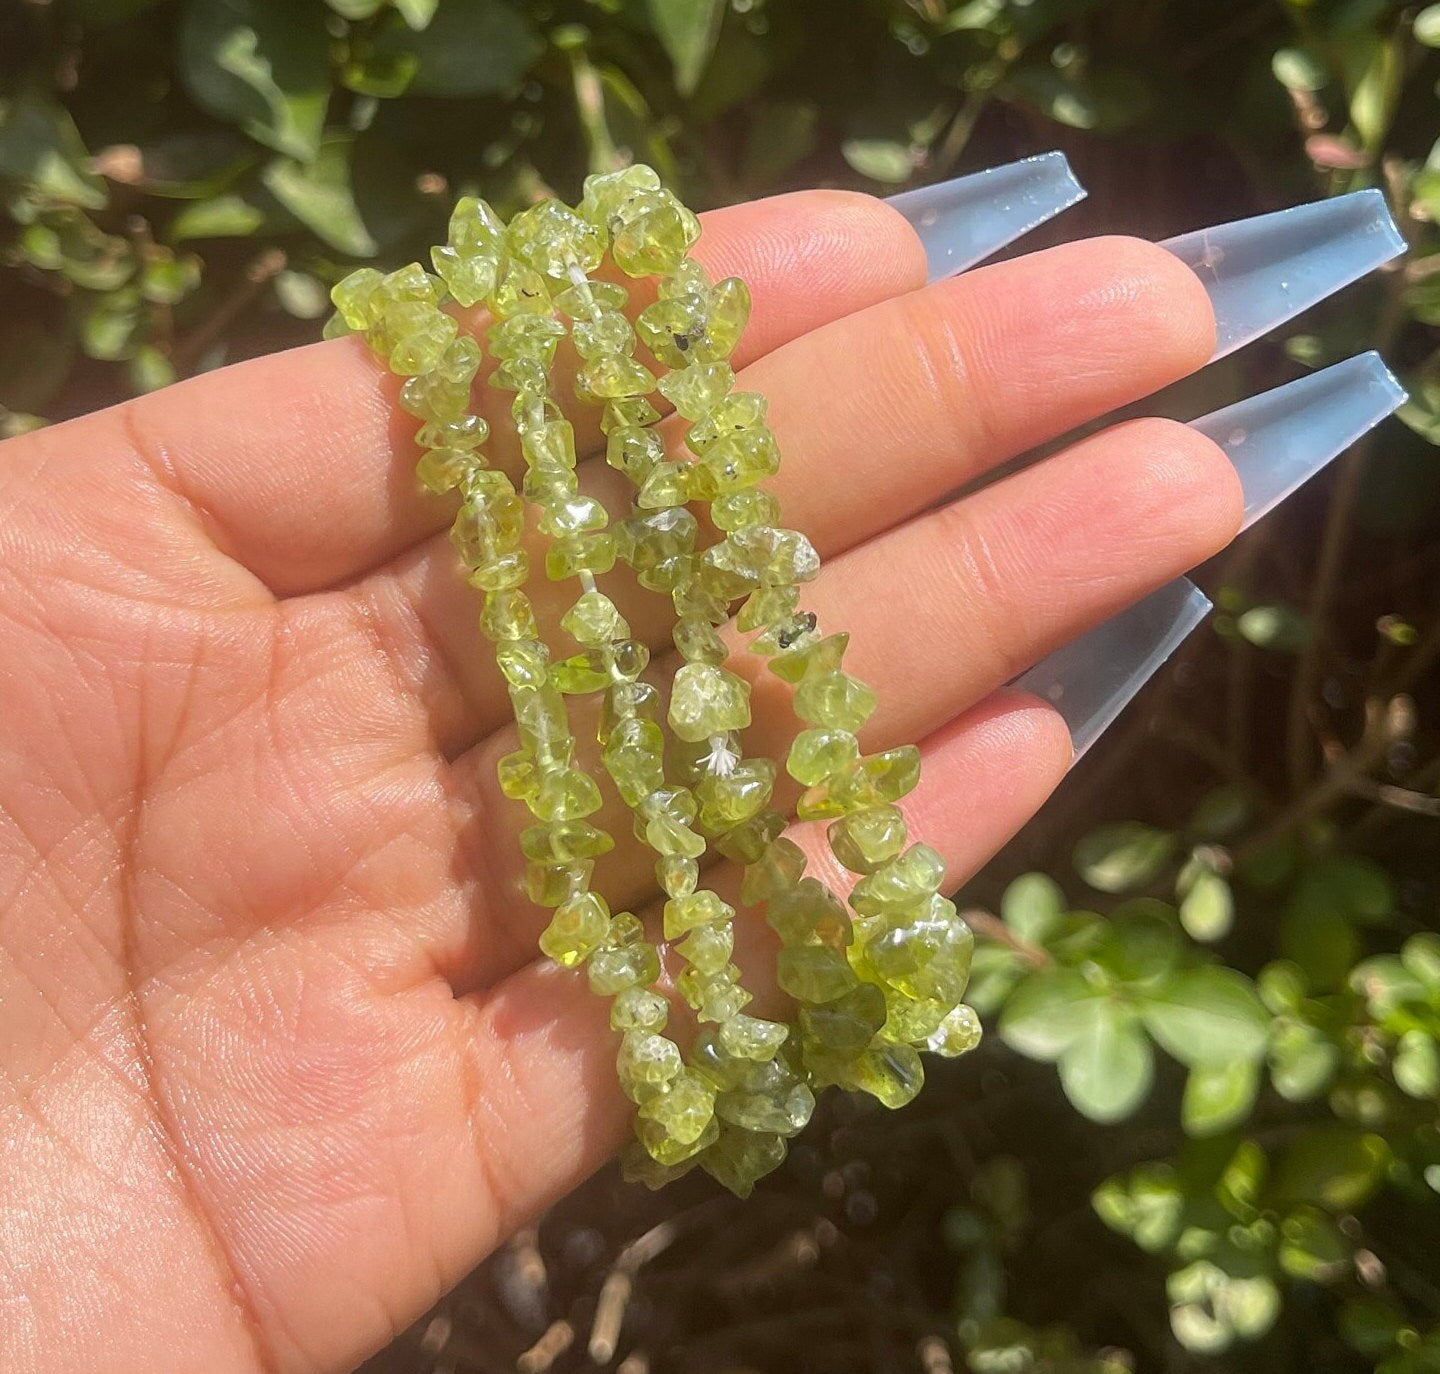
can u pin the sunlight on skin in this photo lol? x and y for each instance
(250, 844)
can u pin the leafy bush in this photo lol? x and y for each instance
(1244, 1016)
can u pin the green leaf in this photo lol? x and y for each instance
(1207, 907)
(220, 217)
(1047, 1012)
(1123, 857)
(150, 370)
(472, 47)
(1033, 907)
(1108, 1068)
(110, 325)
(1208, 1016)
(1427, 26)
(302, 295)
(1373, 69)
(1105, 100)
(1219, 1096)
(263, 65)
(1417, 1064)
(688, 30)
(419, 14)
(321, 198)
(1337, 1167)
(355, 10)
(1371, 1326)
(1302, 1061)
(1222, 813)
(1148, 1206)
(1139, 945)
(880, 159)
(1277, 628)
(1210, 1308)
(1312, 1246)
(1299, 70)
(41, 148)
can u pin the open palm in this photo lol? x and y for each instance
(277, 1063)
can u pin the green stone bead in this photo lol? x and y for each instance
(443, 469)
(523, 662)
(739, 1159)
(627, 701)
(738, 461)
(713, 996)
(670, 1154)
(736, 413)
(644, 541)
(608, 332)
(508, 615)
(501, 571)
(523, 374)
(703, 908)
(581, 673)
(488, 524)
(739, 510)
(634, 757)
(695, 390)
(519, 290)
(716, 574)
(708, 948)
(913, 876)
(707, 700)
(910, 1020)
(611, 376)
(696, 639)
(667, 836)
(782, 635)
(637, 1165)
(574, 515)
(433, 399)
(531, 337)
(518, 775)
(567, 794)
(807, 912)
(752, 1037)
(594, 620)
(677, 804)
(847, 1025)
(564, 841)
(747, 841)
(605, 194)
(475, 227)
(766, 606)
(927, 957)
(817, 754)
(687, 277)
(676, 875)
(579, 925)
(469, 277)
(784, 1114)
(550, 444)
(638, 1009)
(581, 300)
(355, 297)
(866, 840)
(769, 557)
(684, 1112)
(892, 1074)
(779, 868)
(674, 327)
(553, 239)
(336, 328)
(547, 482)
(646, 1063)
(813, 659)
(866, 783)
(418, 335)
(729, 302)
(627, 412)
(835, 700)
(728, 799)
(467, 432)
(592, 553)
(623, 961)
(675, 484)
(541, 719)
(813, 973)
(549, 884)
(655, 242)
(635, 451)
(957, 1034)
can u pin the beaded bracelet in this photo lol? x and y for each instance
(872, 983)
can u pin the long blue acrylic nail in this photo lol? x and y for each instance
(1263, 271)
(1091, 680)
(964, 221)
(1282, 438)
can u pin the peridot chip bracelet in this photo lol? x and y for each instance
(874, 980)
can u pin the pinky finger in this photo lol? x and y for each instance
(548, 1108)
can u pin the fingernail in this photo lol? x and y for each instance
(1263, 271)
(964, 221)
(1281, 438)
(1093, 678)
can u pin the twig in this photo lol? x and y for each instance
(993, 928)
(262, 269)
(619, 1284)
(549, 1348)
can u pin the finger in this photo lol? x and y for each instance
(541, 1040)
(941, 612)
(303, 464)
(879, 414)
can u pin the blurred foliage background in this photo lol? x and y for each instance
(1204, 1131)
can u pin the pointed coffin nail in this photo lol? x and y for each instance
(1091, 680)
(1261, 272)
(1281, 438)
(964, 221)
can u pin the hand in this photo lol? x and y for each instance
(280, 1063)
